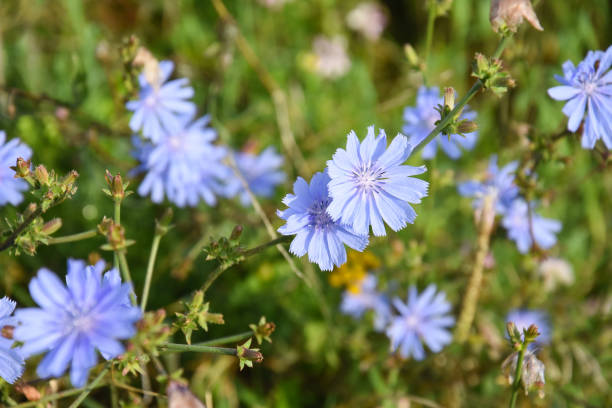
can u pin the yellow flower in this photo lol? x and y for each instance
(354, 270)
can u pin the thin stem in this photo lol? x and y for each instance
(431, 18)
(72, 238)
(517, 376)
(225, 340)
(466, 98)
(118, 222)
(258, 249)
(149, 275)
(11, 238)
(59, 395)
(89, 388)
(199, 349)
(125, 272)
(215, 274)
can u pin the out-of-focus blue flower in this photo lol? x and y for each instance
(161, 107)
(91, 312)
(523, 318)
(498, 182)
(519, 226)
(11, 362)
(367, 298)
(263, 173)
(423, 319)
(369, 184)
(184, 166)
(588, 87)
(315, 231)
(421, 119)
(11, 188)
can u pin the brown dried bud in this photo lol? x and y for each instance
(251, 355)
(510, 13)
(42, 175)
(179, 396)
(51, 226)
(449, 98)
(150, 66)
(31, 393)
(7, 332)
(236, 232)
(22, 168)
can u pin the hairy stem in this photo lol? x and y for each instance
(149, 275)
(11, 238)
(466, 98)
(72, 238)
(199, 349)
(517, 376)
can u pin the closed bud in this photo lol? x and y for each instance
(42, 175)
(449, 98)
(509, 14)
(179, 396)
(70, 178)
(116, 186)
(30, 209)
(163, 224)
(51, 226)
(531, 333)
(467, 126)
(7, 332)
(236, 232)
(411, 55)
(105, 225)
(22, 168)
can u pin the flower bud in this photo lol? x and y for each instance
(467, 126)
(449, 98)
(42, 175)
(7, 332)
(51, 226)
(411, 55)
(115, 183)
(179, 396)
(509, 14)
(22, 168)
(236, 232)
(163, 224)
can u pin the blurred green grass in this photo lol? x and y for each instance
(68, 49)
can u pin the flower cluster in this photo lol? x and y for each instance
(588, 88)
(524, 226)
(366, 185)
(177, 151)
(92, 311)
(421, 119)
(12, 188)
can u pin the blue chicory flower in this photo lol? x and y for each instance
(520, 228)
(161, 107)
(368, 298)
(421, 119)
(523, 318)
(184, 166)
(11, 361)
(369, 184)
(12, 188)
(262, 172)
(423, 319)
(315, 231)
(588, 87)
(91, 312)
(498, 182)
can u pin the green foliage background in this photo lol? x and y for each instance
(69, 50)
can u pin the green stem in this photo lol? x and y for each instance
(89, 388)
(118, 222)
(431, 18)
(149, 275)
(466, 98)
(199, 349)
(72, 238)
(125, 272)
(517, 376)
(57, 396)
(258, 249)
(225, 340)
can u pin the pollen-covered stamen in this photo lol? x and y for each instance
(368, 177)
(319, 218)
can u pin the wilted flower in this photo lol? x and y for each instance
(92, 311)
(370, 184)
(368, 18)
(510, 13)
(587, 87)
(315, 231)
(162, 107)
(421, 119)
(262, 172)
(523, 318)
(331, 59)
(555, 271)
(12, 188)
(532, 371)
(524, 226)
(498, 183)
(423, 319)
(367, 298)
(11, 361)
(184, 166)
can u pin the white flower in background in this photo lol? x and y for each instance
(331, 59)
(369, 19)
(555, 272)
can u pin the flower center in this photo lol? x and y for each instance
(150, 101)
(368, 178)
(83, 323)
(319, 218)
(412, 321)
(174, 142)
